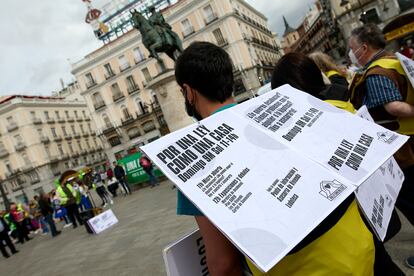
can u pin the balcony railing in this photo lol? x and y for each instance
(61, 120)
(3, 153)
(20, 146)
(139, 60)
(125, 66)
(44, 139)
(132, 89)
(76, 135)
(109, 75)
(50, 120)
(99, 105)
(90, 84)
(118, 96)
(12, 126)
(57, 138)
(108, 128)
(67, 136)
(85, 134)
(87, 119)
(79, 119)
(70, 119)
(36, 121)
(74, 154)
(127, 120)
(188, 31)
(210, 18)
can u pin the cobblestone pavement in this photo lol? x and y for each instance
(147, 223)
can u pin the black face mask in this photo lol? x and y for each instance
(190, 109)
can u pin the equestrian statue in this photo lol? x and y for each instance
(157, 35)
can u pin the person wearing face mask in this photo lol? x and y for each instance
(384, 88)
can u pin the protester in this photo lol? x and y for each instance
(120, 176)
(17, 217)
(4, 238)
(291, 69)
(47, 212)
(85, 203)
(335, 73)
(146, 164)
(101, 190)
(113, 186)
(385, 90)
(68, 199)
(60, 211)
(109, 172)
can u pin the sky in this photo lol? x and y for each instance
(39, 39)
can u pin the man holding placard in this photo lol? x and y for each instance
(204, 72)
(389, 96)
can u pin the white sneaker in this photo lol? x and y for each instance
(104, 205)
(111, 202)
(67, 225)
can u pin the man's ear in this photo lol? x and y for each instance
(190, 92)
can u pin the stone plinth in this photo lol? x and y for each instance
(171, 100)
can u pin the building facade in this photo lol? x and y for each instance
(117, 80)
(41, 137)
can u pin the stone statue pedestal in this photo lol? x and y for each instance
(170, 99)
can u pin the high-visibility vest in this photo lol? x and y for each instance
(406, 124)
(331, 73)
(348, 106)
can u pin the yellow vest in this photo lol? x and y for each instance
(331, 73)
(345, 249)
(406, 123)
(342, 105)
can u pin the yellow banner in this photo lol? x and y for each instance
(402, 31)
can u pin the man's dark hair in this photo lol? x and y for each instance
(299, 71)
(206, 68)
(371, 35)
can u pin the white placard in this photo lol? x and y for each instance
(378, 194)
(102, 221)
(408, 66)
(267, 189)
(186, 256)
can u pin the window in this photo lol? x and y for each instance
(33, 114)
(67, 113)
(114, 141)
(97, 100)
(76, 113)
(138, 55)
(131, 85)
(84, 113)
(116, 92)
(89, 127)
(70, 147)
(187, 28)
(79, 145)
(108, 71)
(26, 159)
(81, 127)
(125, 112)
(219, 37)
(209, 14)
(73, 128)
(123, 63)
(87, 143)
(146, 74)
(40, 132)
(57, 114)
(67, 165)
(8, 166)
(53, 131)
(140, 106)
(46, 114)
(148, 126)
(64, 131)
(47, 150)
(106, 120)
(89, 80)
(60, 149)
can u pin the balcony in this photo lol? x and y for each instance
(118, 96)
(87, 119)
(212, 17)
(12, 126)
(61, 120)
(70, 119)
(85, 134)
(3, 153)
(99, 105)
(20, 146)
(124, 67)
(67, 136)
(90, 84)
(127, 120)
(109, 75)
(44, 139)
(76, 135)
(108, 128)
(74, 154)
(187, 32)
(57, 138)
(36, 121)
(133, 89)
(50, 120)
(79, 119)
(139, 60)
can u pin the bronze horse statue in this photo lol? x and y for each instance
(157, 38)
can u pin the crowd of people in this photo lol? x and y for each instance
(65, 204)
(373, 78)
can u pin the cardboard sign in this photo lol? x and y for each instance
(270, 170)
(102, 221)
(186, 256)
(378, 194)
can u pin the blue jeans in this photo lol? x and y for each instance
(49, 220)
(42, 222)
(152, 178)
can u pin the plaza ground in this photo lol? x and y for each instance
(147, 223)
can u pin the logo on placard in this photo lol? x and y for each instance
(331, 189)
(386, 137)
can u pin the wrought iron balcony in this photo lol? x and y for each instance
(20, 146)
(133, 89)
(12, 126)
(36, 121)
(118, 96)
(99, 105)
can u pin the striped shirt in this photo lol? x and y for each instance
(379, 91)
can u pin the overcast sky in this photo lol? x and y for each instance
(39, 38)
